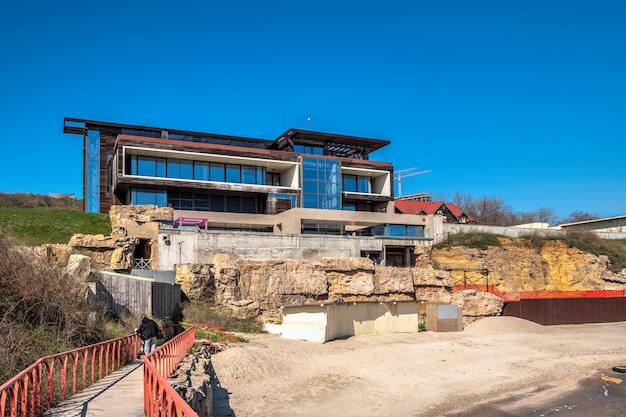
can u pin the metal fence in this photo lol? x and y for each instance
(53, 378)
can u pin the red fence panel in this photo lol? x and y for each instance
(43, 384)
(160, 398)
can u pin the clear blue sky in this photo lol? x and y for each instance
(521, 100)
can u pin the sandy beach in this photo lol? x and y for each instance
(497, 366)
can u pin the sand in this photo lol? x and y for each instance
(506, 365)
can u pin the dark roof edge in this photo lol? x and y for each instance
(85, 122)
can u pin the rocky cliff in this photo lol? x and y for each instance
(517, 265)
(250, 286)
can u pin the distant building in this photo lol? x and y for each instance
(59, 195)
(615, 224)
(450, 212)
(302, 182)
(417, 197)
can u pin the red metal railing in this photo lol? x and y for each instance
(40, 386)
(160, 399)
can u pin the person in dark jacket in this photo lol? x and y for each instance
(148, 331)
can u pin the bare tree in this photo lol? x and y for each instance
(579, 216)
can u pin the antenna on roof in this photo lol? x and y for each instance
(404, 173)
(308, 123)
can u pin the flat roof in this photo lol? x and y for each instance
(78, 126)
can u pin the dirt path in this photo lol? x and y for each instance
(512, 362)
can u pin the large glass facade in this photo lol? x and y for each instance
(399, 230)
(92, 197)
(321, 184)
(149, 166)
(157, 197)
(308, 149)
(189, 200)
(357, 184)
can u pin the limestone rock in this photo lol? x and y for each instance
(138, 221)
(347, 264)
(196, 282)
(269, 281)
(226, 278)
(92, 241)
(422, 257)
(245, 309)
(351, 283)
(79, 266)
(391, 280)
(428, 277)
(478, 304)
(517, 265)
(614, 277)
(57, 255)
(192, 381)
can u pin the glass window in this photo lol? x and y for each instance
(349, 183)
(201, 202)
(201, 171)
(146, 166)
(364, 184)
(309, 187)
(233, 173)
(307, 149)
(148, 196)
(161, 170)
(131, 165)
(186, 201)
(173, 199)
(186, 169)
(321, 184)
(260, 175)
(273, 179)
(396, 230)
(92, 196)
(233, 204)
(217, 172)
(349, 207)
(173, 168)
(248, 205)
(248, 174)
(217, 203)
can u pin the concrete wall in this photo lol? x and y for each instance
(186, 246)
(513, 232)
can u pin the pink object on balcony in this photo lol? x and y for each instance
(199, 222)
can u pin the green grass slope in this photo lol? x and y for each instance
(37, 226)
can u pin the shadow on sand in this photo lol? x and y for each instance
(221, 400)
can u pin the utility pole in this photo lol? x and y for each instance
(405, 173)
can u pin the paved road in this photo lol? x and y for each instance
(119, 394)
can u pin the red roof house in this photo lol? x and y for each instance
(451, 213)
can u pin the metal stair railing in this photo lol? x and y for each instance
(47, 381)
(160, 398)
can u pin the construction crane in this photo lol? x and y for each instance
(405, 173)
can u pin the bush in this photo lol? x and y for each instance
(472, 240)
(42, 311)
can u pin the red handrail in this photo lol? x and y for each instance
(33, 390)
(160, 398)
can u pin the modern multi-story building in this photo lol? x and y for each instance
(303, 182)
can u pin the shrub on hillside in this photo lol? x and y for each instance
(42, 310)
(24, 200)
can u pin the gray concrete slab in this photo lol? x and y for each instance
(118, 394)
